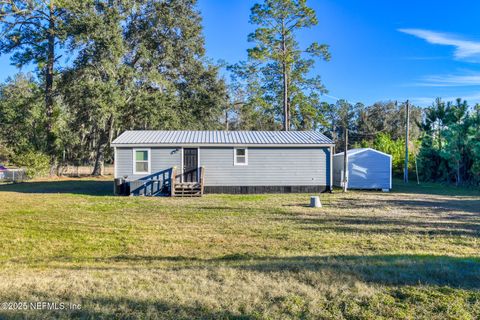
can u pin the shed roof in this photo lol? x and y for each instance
(358, 150)
(165, 137)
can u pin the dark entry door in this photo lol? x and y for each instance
(190, 164)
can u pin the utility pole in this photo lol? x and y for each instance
(345, 159)
(407, 117)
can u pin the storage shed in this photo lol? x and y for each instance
(225, 161)
(367, 169)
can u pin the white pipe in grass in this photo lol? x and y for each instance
(315, 202)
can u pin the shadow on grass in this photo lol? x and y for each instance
(432, 205)
(434, 188)
(398, 270)
(463, 205)
(402, 271)
(86, 187)
(465, 225)
(123, 308)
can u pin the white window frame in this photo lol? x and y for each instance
(135, 161)
(235, 163)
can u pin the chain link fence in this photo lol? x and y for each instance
(13, 175)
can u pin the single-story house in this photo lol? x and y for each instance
(228, 161)
(366, 169)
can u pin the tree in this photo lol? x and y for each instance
(345, 113)
(140, 66)
(249, 107)
(277, 58)
(167, 57)
(34, 30)
(455, 149)
(474, 144)
(21, 115)
(449, 149)
(96, 86)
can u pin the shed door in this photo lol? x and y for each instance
(190, 164)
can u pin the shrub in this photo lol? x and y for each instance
(36, 164)
(396, 148)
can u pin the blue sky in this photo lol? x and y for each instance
(381, 50)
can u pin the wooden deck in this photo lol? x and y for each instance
(187, 189)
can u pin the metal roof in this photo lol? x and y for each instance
(164, 137)
(358, 150)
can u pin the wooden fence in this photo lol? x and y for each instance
(77, 171)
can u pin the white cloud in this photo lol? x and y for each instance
(464, 49)
(449, 80)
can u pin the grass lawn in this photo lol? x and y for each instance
(410, 254)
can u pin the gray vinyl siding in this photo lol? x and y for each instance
(366, 170)
(267, 167)
(162, 159)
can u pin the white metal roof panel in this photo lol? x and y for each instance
(359, 150)
(167, 137)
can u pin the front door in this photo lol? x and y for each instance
(190, 164)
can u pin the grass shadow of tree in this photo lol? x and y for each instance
(85, 187)
(127, 308)
(398, 270)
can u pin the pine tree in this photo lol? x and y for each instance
(278, 59)
(34, 31)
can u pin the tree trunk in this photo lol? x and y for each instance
(49, 69)
(286, 122)
(459, 178)
(102, 143)
(100, 157)
(286, 111)
(100, 154)
(226, 119)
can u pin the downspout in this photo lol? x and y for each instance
(331, 169)
(114, 162)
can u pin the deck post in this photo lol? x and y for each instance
(202, 179)
(172, 181)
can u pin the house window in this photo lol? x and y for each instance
(141, 161)
(240, 157)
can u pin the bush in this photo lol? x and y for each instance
(36, 164)
(396, 148)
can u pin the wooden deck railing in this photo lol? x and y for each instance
(168, 182)
(152, 185)
(173, 179)
(202, 179)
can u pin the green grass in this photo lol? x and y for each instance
(410, 254)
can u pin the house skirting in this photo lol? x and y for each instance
(265, 189)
